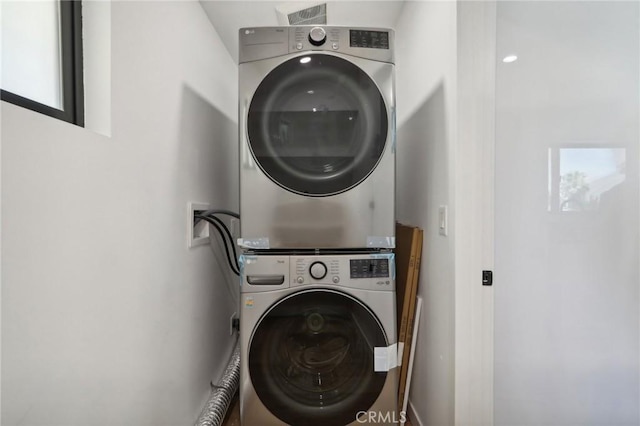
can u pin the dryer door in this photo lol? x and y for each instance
(311, 358)
(317, 125)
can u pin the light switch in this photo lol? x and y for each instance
(442, 220)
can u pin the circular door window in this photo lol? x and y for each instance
(317, 125)
(311, 358)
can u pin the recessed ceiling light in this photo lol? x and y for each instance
(510, 58)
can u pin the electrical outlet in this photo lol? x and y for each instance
(234, 317)
(198, 234)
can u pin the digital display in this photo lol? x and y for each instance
(372, 39)
(369, 268)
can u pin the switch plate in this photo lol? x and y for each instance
(443, 220)
(197, 234)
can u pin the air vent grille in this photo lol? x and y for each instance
(315, 15)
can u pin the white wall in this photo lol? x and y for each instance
(96, 58)
(567, 347)
(426, 99)
(476, 22)
(107, 317)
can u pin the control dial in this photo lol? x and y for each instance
(317, 36)
(318, 270)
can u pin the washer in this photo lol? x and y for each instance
(317, 138)
(318, 340)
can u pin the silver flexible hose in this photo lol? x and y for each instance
(216, 407)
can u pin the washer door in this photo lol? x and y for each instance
(317, 125)
(311, 358)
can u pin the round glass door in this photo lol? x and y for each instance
(311, 358)
(317, 125)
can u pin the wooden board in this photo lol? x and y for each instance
(412, 291)
(405, 255)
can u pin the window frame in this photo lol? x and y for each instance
(72, 70)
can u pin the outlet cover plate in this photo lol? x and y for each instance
(197, 234)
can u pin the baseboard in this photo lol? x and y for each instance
(415, 420)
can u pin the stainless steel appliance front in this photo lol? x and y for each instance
(318, 340)
(317, 138)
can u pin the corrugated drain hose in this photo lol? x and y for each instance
(222, 394)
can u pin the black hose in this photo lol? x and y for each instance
(233, 246)
(217, 223)
(225, 212)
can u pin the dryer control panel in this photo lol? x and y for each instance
(369, 43)
(269, 42)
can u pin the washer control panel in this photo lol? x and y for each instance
(365, 271)
(369, 268)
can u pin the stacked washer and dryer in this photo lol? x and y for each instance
(317, 196)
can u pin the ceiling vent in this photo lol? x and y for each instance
(292, 14)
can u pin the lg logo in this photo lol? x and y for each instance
(389, 417)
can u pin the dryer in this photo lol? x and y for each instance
(317, 138)
(318, 340)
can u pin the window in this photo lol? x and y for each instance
(584, 178)
(42, 57)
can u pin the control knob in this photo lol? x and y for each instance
(318, 270)
(317, 36)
